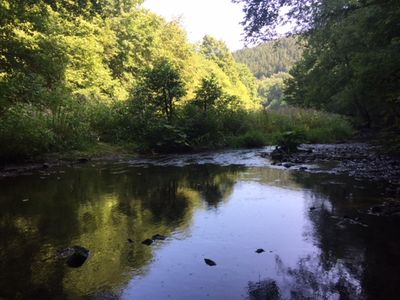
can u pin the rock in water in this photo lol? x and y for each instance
(210, 262)
(78, 256)
(147, 242)
(158, 237)
(83, 160)
(260, 250)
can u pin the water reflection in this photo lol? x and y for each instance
(224, 213)
(361, 258)
(99, 208)
(310, 279)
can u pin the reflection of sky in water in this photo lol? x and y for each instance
(220, 213)
(256, 216)
(250, 158)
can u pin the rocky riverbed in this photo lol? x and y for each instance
(358, 160)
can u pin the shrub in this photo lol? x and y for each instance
(251, 139)
(24, 132)
(289, 141)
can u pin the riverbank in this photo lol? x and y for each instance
(361, 161)
(97, 152)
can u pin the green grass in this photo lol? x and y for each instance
(310, 126)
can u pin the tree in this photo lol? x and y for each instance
(236, 79)
(217, 51)
(163, 86)
(263, 18)
(351, 64)
(208, 92)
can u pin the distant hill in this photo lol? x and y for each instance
(270, 58)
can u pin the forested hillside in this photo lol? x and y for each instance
(70, 71)
(271, 57)
(74, 74)
(270, 62)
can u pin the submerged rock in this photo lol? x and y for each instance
(210, 262)
(158, 237)
(147, 242)
(386, 209)
(277, 155)
(350, 221)
(76, 256)
(83, 160)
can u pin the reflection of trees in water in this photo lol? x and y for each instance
(369, 254)
(99, 209)
(264, 290)
(270, 176)
(309, 280)
(215, 188)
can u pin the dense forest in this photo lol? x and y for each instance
(270, 58)
(270, 62)
(351, 62)
(74, 74)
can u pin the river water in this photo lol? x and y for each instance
(319, 242)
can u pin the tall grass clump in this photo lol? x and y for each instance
(314, 126)
(258, 128)
(28, 130)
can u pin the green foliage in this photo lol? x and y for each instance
(208, 92)
(235, 79)
(251, 139)
(312, 126)
(271, 90)
(270, 58)
(203, 129)
(289, 141)
(353, 73)
(161, 87)
(74, 73)
(27, 131)
(351, 62)
(165, 138)
(24, 132)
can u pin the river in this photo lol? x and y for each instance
(318, 238)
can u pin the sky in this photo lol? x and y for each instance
(219, 18)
